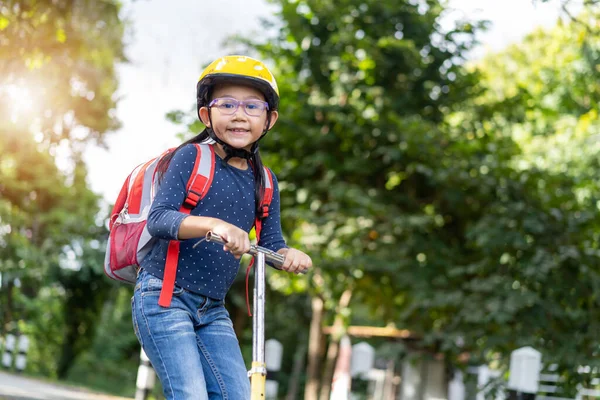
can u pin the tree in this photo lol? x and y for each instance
(571, 8)
(543, 93)
(56, 94)
(59, 66)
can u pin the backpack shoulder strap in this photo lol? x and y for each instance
(268, 196)
(202, 175)
(197, 187)
(266, 202)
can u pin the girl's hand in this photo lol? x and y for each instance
(237, 239)
(295, 261)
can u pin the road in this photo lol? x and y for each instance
(15, 387)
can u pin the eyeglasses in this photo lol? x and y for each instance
(229, 106)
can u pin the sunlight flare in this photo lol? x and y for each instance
(21, 101)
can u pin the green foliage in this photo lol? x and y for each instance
(61, 55)
(56, 94)
(542, 94)
(110, 364)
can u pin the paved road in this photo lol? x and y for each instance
(15, 387)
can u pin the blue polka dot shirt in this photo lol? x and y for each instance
(207, 269)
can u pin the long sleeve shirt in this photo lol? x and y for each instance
(207, 269)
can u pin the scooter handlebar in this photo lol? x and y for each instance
(272, 257)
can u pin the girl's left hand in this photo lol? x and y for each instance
(295, 261)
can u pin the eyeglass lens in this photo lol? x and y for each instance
(229, 106)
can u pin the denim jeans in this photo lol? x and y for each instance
(191, 345)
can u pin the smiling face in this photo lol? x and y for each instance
(239, 129)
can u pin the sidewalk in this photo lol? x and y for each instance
(16, 387)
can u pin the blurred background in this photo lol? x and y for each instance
(437, 159)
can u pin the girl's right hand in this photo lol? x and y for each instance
(238, 242)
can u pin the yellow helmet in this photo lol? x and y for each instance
(237, 69)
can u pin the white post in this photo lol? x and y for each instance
(483, 377)
(412, 379)
(9, 348)
(145, 377)
(21, 359)
(273, 356)
(363, 359)
(525, 366)
(456, 387)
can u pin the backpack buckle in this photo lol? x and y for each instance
(192, 199)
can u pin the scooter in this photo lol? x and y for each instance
(258, 372)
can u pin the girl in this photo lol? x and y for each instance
(192, 344)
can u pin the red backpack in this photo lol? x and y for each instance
(129, 240)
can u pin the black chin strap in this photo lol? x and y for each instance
(230, 151)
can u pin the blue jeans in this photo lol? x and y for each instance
(191, 345)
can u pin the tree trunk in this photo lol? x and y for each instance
(314, 344)
(8, 308)
(388, 388)
(332, 353)
(334, 344)
(299, 358)
(68, 353)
